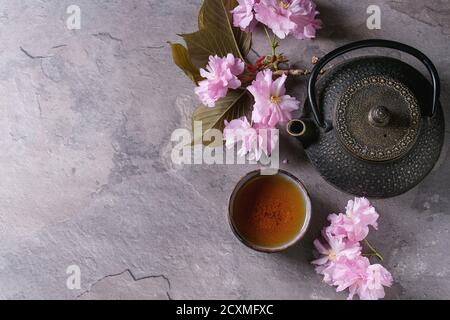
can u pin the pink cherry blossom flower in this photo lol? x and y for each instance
(377, 277)
(349, 274)
(244, 15)
(276, 14)
(255, 140)
(239, 130)
(305, 20)
(335, 248)
(360, 214)
(338, 224)
(361, 278)
(361, 211)
(284, 17)
(268, 138)
(272, 105)
(342, 263)
(220, 75)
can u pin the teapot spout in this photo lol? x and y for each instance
(304, 130)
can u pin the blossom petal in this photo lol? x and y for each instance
(272, 106)
(244, 15)
(220, 75)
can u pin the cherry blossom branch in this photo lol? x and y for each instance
(296, 72)
(292, 72)
(374, 252)
(272, 41)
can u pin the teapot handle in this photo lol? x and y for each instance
(364, 44)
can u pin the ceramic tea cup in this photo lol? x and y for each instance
(269, 213)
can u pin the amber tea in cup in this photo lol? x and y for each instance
(269, 212)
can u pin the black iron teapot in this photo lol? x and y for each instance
(372, 126)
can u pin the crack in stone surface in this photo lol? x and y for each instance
(154, 47)
(107, 35)
(31, 56)
(59, 46)
(431, 13)
(39, 105)
(135, 279)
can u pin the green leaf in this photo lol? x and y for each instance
(216, 36)
(201, 17)
(235, 105)
(183, 61)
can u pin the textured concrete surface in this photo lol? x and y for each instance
(86, 118)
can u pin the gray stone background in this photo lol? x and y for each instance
(86, 177)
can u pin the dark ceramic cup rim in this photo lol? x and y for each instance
(302, 231)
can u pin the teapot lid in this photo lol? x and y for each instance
(377, 118)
